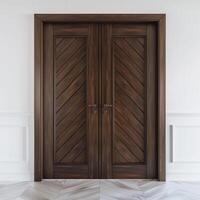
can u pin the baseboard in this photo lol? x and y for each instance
(183, 177)
(13, 177)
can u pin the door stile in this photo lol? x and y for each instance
(100, 98)
(92, 101)
(49, 101)
(107, 101)
(151, 120)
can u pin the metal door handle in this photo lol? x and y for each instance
(106, 107)
(93, 107)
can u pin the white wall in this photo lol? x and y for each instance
(16, 78)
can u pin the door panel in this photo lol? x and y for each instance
(100, 91)
(129, 89)
(71, 112)
(129, 103)
(70, 101)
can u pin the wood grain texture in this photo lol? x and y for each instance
(100, 148)
(129, 110)
(101, 18)
(107, 102)
(151, 103)
(71, 172)
(129, 122)
(129, 171)
(70, 100)
(38, 99)
(48, 101)
(129, 128)
(120, 29)
(70, 91)
(161, 98)
(99, 100)
(93, 102)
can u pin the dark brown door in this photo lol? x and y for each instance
(100, 101)
(129, 137)
(70, 101)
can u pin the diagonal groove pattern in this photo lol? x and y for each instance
(59, 41)
(132, 71)
(125, 151)
(129, 54)
(70, 63)
(141, 41)
(70, 100)
(131, 81)
(123, 109)
(130, 138)
(119, 156)
(127, 103)
(129, 118)
(63, 127)
(130, 144)
(77, 121)
(127, 90)
(66, 55)
(67, 136)
(126, 121)
(124, 82)
(120, 55)
(65, 48)
(76, 150)
(132, 44)
(69, 106)
(67, 148)
(71, 90)
(129, 123)
(64, 85)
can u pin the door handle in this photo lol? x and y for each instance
(106, 107)
(93, 107)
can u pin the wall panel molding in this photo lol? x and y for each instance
(16, 146)
(182, 146)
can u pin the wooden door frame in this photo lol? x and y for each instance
(41, 19)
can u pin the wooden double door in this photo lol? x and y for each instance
(100, 100)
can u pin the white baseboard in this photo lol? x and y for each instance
(183, 177)
(16, 177)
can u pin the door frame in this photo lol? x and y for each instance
(41, 19)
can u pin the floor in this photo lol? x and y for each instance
(100, 189)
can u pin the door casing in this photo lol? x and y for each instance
(41, 19)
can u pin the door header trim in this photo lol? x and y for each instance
(100, 17)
